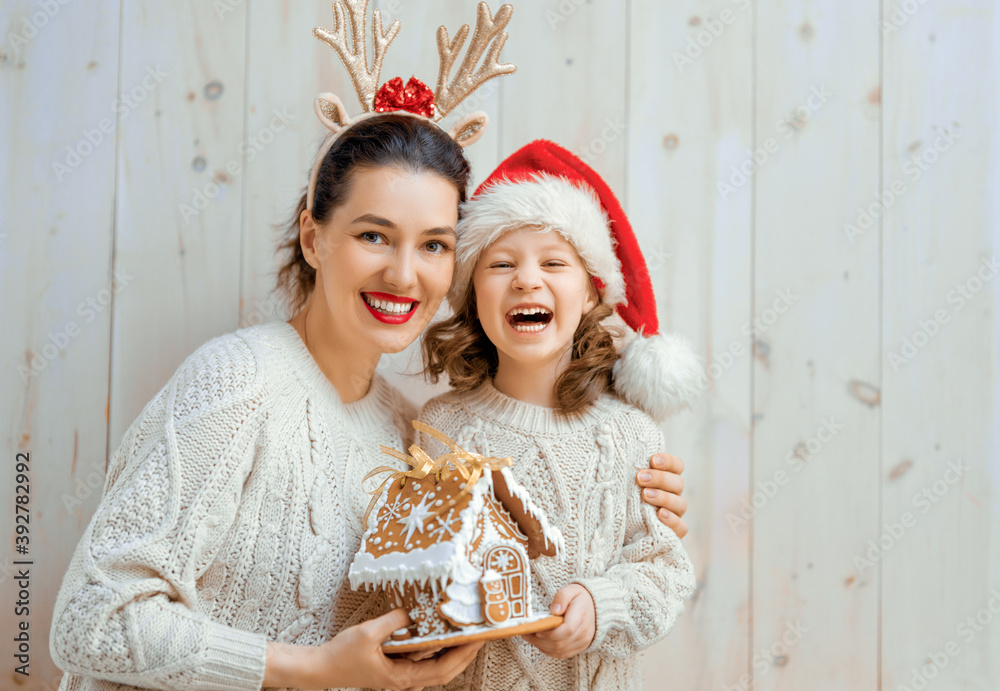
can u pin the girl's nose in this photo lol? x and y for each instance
(526, 279)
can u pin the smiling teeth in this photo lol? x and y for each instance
(529, 327)
(529, 310)
(389, 307)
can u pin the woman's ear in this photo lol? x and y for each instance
(307, 238)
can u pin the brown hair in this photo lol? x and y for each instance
(459, 347)
(395, 141)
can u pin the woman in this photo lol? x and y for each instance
(231, 511)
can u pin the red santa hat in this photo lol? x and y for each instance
(547, 187)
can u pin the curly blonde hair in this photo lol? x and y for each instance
(459, 348)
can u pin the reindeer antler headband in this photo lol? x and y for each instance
(415, 98)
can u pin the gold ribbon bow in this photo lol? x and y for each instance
(468, 464)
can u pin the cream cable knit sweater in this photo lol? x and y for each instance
(581, 472)
(230, 515)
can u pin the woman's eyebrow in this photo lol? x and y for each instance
(443, 230)
(374, 220)
(386, 223)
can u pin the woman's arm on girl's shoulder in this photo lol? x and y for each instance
(638, 599)
(124, 612)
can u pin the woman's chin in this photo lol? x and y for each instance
(394, 348)
(396, 342)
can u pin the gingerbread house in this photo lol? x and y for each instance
(451, 540)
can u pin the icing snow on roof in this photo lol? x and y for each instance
(398, 548)
(552, 537)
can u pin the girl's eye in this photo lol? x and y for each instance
(500, 265)
(554, 263)
(372, 237)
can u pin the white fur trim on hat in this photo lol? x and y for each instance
(548, 203)
(660, 374)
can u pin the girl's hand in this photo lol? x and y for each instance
(576, 633)
(354, 658)
(662, 486)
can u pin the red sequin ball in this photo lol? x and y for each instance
(415, 97)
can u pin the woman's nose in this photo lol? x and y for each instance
(401, 272)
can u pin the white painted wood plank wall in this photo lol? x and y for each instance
(59, 90)
(852, 342)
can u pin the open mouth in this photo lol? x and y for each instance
(390, 309)
(529, 319)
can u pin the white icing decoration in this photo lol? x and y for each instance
(503, 562)
(463, 605)
(550, 533)
(396, 510)
(414, 521)
(444, 526)
(425, 615)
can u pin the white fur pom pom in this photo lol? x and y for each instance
(660, 374)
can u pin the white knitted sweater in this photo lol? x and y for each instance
(581, 472)
(231, 512)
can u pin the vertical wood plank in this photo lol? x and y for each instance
(816, 375)
(59, 81)
(566, 90)
(179, 195)
(690, 117)
(939, 536)
(278, 173)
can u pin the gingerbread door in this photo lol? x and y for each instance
(509, 564)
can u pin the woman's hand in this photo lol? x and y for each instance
(354, 658)
(662, 486)
(576, 633)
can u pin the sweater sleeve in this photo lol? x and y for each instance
(638, 598)
(127, 609)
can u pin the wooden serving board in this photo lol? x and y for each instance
(484, 634)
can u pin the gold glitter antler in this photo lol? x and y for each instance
(489, 33)
(355, 57)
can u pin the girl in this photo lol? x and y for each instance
(535, 372)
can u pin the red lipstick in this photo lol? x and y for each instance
(390, 318)
(390, 297)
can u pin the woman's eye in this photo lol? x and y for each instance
(500, 265)
(436, 247)
(371, 237)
